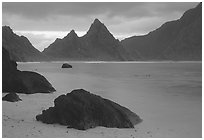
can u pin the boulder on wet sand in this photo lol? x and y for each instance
(82, 110)
(27, 82)
(11, 97)
(66, 65)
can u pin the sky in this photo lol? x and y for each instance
(43, 22)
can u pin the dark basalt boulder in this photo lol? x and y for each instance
(11, 97)
(66, 65)
(27, 82)
(82, 110)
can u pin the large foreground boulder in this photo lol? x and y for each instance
(82, 110)
(11, 97)
(27, 82)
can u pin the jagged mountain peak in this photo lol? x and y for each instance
(8, 32)
(98, 30)
(7, 29)
(19, 47)
(97, 22)
(97, 27)
(97, 44)
(72, 32)
(71, 35)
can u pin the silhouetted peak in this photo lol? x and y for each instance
(97, 27)
(97, 24)
(199, 5)
(97, 21)
(71, 34)
(7, 29)
(8, 32)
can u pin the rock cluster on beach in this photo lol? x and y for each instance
(82, 110)
(11, 97)
(27, 82)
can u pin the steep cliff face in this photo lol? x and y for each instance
(97, 44)
(175, 40)
(188, 44)
(19, 47)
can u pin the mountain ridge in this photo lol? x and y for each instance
(19, 47)
(179, 39)
(173, 40)
(97, 44)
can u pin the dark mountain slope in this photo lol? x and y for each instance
(175, 40)
(97, 44)
(19, 47)
(62, 49)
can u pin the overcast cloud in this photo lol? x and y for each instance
(50, 20)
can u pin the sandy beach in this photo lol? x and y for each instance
(167, 96)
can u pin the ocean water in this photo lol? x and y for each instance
(172, 77)
(167, 95)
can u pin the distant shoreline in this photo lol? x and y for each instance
(113, 62)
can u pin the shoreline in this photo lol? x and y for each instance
(128, 62)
